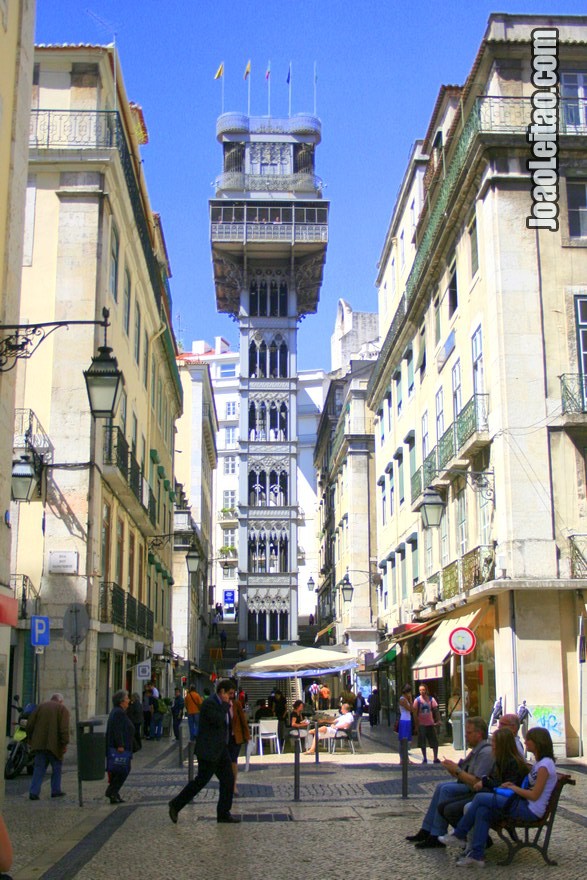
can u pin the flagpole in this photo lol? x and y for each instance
(315, 78)
(249, 95)
(223, 87)
(269, 89)
(289, 84)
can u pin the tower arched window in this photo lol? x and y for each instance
(262, 361)
(253, 299)
(273, 300)
(283, 299)
(253, 357)
(283, 422)
(252, 421)
(283, 360)
(273, 368)
(263, 298)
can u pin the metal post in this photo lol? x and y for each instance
(77, 728)
(316, 742)
(403, 752)
(297, 747)
(463, 710)
(191, 746)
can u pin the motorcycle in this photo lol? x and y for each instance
(19, 754)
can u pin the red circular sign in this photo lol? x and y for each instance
(462, 640)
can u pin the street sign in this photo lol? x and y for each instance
(462, 640)
(144, 671)
(40, 632)
(76, 623)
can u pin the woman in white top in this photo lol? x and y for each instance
(404, 728)
(530, 804)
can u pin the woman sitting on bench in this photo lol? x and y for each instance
(529, 805)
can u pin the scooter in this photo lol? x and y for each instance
(19, 754)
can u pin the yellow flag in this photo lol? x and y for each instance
(247, 70)
(220, 72)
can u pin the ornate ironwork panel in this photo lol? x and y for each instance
(574, 393)
(450, 580)
(578, 551)
(429, 468)
(416, 484)
(472, 418)
(116, 451)
(478, 566)
(131, 613)
(446, 447)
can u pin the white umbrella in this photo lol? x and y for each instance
(295, 661)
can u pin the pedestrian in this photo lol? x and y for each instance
(147, 712)
(48, 736)
(311, 620)
(426, 718)
(223, 640)
(280, 712)
(135, 713)
(177, 708)
(215, 621)
(213, 756)
(119, 737)
(156, 731)
(239, 734)
(6, 854)
(374, 706)
(193, 704)
(404, 725)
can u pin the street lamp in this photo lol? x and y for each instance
(25, 479)
(432, 508)
(347, 588)
(104, 383)
(311, 584)
(192, 559)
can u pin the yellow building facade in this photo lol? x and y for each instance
(106, 487)
(479, 391)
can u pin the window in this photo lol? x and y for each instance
(389, 410)
(477, 357)
(421, 361)
(428, 551)
(134, 439)
(402, 571)
(229, 499)
(105, 548)
(577, 207)
(415, 567)
(437, 326)
(574, 92)
(131, 563)
(137, 333)
(457, 402)
(230, 464)
(439, 414)
(391, 490)
(413, 214)
(453, 293)
(402, 251)
(398, 391)
(153, 382)
(383, 502)
(119, 551)
(126, 304)
(229, 538)
(485, 510)
(114, 254)
(444, 541)
(145, 358)
(473, 247)
(230, 408)
(229, 437)
(400, 475)
(227, 371)
(410, 363)
(425, 438)
(393, 581)
(381, 426)
(393, 279)
(462, 522)
(412, 455)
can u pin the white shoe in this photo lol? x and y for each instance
(469, 862)
(451, 839)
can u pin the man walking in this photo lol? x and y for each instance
(213, 755)
(48, 736)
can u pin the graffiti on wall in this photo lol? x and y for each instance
(552, 718)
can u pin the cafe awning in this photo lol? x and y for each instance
(430, 662)
(387, 656)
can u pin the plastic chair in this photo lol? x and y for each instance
(268, 731)
(350, 734)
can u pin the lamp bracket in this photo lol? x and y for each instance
(24, 339)
(482, 482)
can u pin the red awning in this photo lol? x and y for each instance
(8, 610)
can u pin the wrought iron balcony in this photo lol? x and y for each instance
(240, 123)
(286, 232)
(574, 393)
(239, 182)
(121, 609)
(474, 568)
(472, 418)
(416, 484)
(116, 449)
(446, 447)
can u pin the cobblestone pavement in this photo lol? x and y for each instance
(350, 820)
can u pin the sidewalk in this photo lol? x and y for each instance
(351, 819)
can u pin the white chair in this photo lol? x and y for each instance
(268, 731)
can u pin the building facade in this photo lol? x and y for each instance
(479, 391)
(16, 73)
(105, 488)
(269, 231)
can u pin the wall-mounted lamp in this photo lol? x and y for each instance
(431, 509)
(311, 584)
(482, 482)
(347, 589)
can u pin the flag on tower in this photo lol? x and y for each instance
(288, 80)
(220, 72)
(268, 71)
(247, 70)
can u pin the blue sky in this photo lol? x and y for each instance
(379, 66)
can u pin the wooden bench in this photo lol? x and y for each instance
(532, 830)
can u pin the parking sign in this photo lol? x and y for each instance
(40, 632)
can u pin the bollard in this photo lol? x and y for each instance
(316, 741)
(403, 750)
(191, 749)
(297, 749)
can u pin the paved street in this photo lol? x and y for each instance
(351, 821)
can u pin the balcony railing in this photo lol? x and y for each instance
(477, 567)
(238, 181)
(26, 594)
(416, 484)
(289, 232)
(578, 553)
(446, 447)
(450, 580)
(472, 418)
(574, 392)
(121, 609)
(430, 467)
(489, 115)
(135, 477)
(116, 449)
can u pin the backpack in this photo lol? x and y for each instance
(161, 706)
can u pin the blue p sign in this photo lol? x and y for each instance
(40, 634)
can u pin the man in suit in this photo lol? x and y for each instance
(213, 755)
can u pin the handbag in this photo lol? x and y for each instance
(117, 761)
